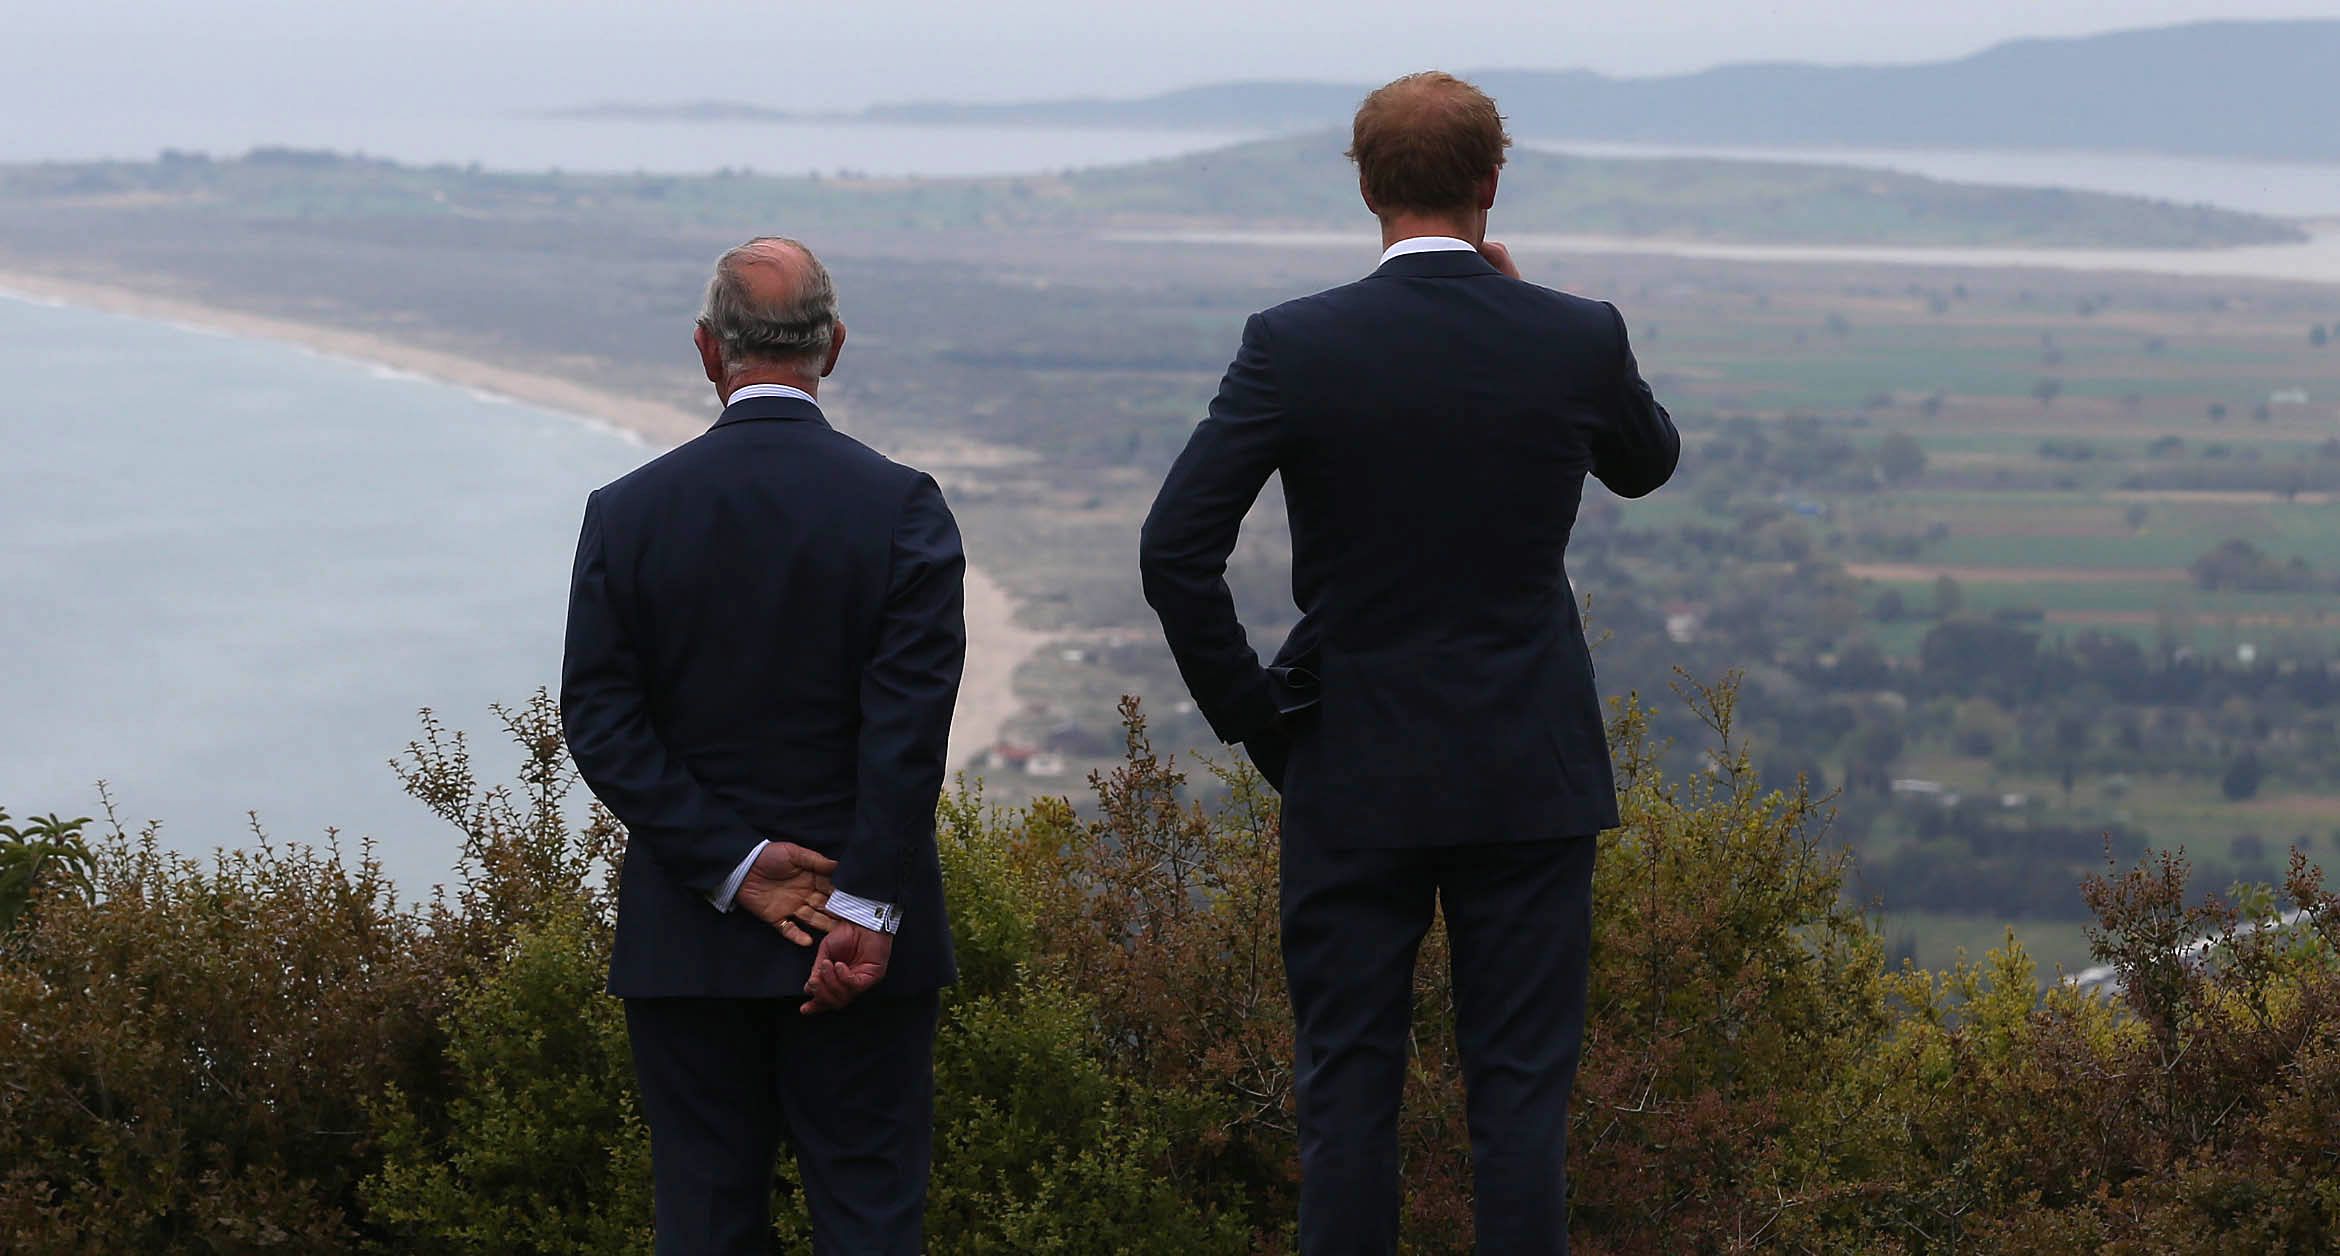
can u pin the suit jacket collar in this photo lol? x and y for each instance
(1441, 264)
(753, 409)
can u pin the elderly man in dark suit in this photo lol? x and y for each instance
(1432, 721)
(764, 646)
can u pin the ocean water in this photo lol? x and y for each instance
(234, 570)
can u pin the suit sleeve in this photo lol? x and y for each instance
(1638, 450)
(908, 689)
(605, 712)
(1191, 531)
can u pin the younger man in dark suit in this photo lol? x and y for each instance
(1432, 721)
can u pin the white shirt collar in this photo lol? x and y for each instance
(769, 390)
(1428, 244)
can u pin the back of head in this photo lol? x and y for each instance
(1425, 143)
(771, 304)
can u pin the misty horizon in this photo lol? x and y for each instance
(238, 55)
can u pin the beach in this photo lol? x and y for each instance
(996, 643)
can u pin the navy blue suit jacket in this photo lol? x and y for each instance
(1433, 424)
(765, 639)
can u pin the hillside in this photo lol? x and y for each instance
(1300, 182)
(2230, 89)
(1305, 180)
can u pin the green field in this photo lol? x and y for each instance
(2121, 468)
(2075, 506)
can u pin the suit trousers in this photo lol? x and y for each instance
(725, 1081)
(1519, 921)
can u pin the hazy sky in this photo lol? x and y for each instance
(471, 54)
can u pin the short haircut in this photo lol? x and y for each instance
(1423, 142)
(798, 328)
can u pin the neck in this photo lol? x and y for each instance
(807, 381)
(1407, 226)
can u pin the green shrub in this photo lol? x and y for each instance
(1733, 985)
(46, 853)
(188, 1056)
(538, 1148)
(1040, 1147)
(271, 1051)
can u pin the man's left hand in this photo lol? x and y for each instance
(851, 961)
(786, 879)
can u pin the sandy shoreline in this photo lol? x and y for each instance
(996, 644)
(653, 422)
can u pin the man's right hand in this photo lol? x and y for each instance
(785, 880)
(1499, 257)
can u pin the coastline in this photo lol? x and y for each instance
(996, 644)
(648, 421)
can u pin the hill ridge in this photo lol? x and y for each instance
(2122, 90)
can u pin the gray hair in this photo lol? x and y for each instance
(796, 329)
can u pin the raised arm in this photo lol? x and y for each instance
(606, 714)
(908, 690)
(1639, 449)
(1191, 530)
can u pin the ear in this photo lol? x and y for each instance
(836, 346)
(710, 352)
(1366, 196)
(1487, 189)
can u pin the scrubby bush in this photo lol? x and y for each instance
(43, 856)
(188, 1056)
(1733, 987)
(537, 1146)
(272, 1051)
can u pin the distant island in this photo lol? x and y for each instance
(1294, 182)
(2221, 89)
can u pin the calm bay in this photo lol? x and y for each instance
(235, 570)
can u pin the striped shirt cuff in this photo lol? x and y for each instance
(730, 889)
(880, 917)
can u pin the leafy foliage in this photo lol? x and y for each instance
(272, 1051)
(188, 1053)
(44, 850)
(539, 1147)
